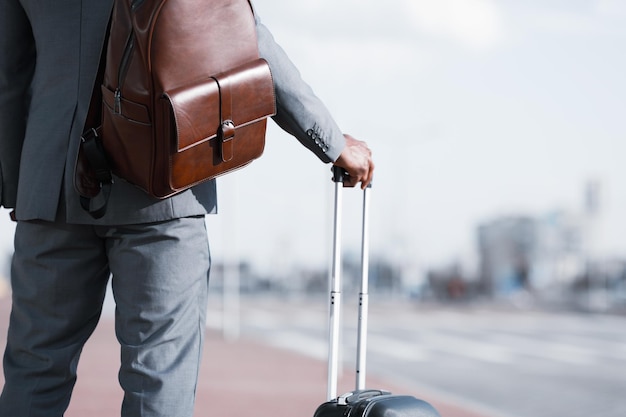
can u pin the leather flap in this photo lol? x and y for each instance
(243, 95)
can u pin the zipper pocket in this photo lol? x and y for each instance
(135, 4)
(125, 62)
(123, 69)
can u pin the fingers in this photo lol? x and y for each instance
(370, 175)
(363, 176)
(356, 160)
(365, 170)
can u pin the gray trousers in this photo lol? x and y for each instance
(59, 277)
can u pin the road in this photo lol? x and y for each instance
(506, 362)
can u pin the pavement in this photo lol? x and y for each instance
(238, 378)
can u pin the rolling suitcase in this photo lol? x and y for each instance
(361, 402)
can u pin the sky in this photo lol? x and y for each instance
(474, 109)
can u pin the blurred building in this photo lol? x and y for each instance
(527, 253)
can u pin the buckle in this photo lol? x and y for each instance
(227, 134)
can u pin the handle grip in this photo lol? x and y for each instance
(340, 174)
(358, 395)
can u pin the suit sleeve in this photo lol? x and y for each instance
(298, 110)
(17, 63)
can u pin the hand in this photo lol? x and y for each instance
(12, 215)
(356, 160)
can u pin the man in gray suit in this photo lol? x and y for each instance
(156, 251)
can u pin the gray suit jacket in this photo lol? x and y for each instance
(49, 54)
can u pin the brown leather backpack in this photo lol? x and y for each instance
(185, 96)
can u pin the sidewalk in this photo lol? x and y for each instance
(237, 379)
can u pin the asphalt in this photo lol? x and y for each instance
(237, 378)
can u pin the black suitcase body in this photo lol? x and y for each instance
(375, 403)
(361, 402)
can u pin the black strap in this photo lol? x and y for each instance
(94, 152)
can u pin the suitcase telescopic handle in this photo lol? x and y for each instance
(335, 290)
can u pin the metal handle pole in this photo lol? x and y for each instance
(363, 296)
(335, 289)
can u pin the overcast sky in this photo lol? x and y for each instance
(474, 109)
